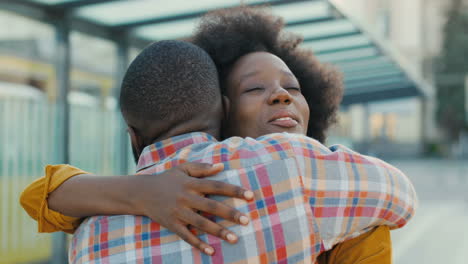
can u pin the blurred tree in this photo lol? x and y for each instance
(451, 71)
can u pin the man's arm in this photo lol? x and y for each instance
(169, 198)
(349, 192)
(373, 247)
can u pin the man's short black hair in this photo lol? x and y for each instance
(169, 81)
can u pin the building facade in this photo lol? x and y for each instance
(415, 30)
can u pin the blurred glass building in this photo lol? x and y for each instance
(418, 32)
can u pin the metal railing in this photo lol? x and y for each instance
(28, 142)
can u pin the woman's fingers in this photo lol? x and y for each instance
(207, 226)
(190, 197)
(200, 170)
(183, 232)
(220, 188)
(219, 209)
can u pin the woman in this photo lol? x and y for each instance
(229, 34)
(254, 59)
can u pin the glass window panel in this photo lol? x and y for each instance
(337, 43)
(169, 30)
(123, 12)
(53, 2)
(27, 141)
(93, 54)
(323, 28)
(378, 84)
(183, 28)
(374, 74)
(368, 62)
(401, 119)
(303, 10)
(371, 69)
(27, 53)
(351, 54)
(95, 144)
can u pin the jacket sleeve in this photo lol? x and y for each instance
(34, 200)
(373, 247)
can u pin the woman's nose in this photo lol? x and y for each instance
(280, 96)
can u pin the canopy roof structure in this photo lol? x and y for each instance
(370, 70)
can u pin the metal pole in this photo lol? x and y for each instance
(466, 99)
(122, 64)
(424, 123)
(366, 128)
(62, 73)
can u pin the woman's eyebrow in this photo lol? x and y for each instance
(288, 73)
(247, 75)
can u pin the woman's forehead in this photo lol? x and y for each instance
(256, 63)
(252, 61)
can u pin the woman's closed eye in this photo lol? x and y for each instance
(294, 89)
(254, 89)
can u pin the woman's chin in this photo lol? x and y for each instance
(280, 129)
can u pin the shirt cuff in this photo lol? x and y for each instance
(48, 219)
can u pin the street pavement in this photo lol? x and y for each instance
(438, 233)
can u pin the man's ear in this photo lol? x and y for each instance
(136, 139)
(226, 107)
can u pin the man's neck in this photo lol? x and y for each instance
(158, 151)
(174, 133)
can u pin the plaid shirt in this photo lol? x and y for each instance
(307, 199)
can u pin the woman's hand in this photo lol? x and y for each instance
(173, 198)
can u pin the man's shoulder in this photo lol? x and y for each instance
(275, 146)
(248, 143)
(273, 139)
(238, 152)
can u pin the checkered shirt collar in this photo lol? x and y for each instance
(158, 151)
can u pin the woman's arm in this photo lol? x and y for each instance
(87, 195)
(33, 199)
(171, 198)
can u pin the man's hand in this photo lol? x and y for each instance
(173, 198)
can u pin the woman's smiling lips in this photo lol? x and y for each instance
(284, 119)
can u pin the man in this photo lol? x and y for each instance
(307, 197)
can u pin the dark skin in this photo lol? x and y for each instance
(265, 97)
(262, 90)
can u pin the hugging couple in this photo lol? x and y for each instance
(227, 130)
